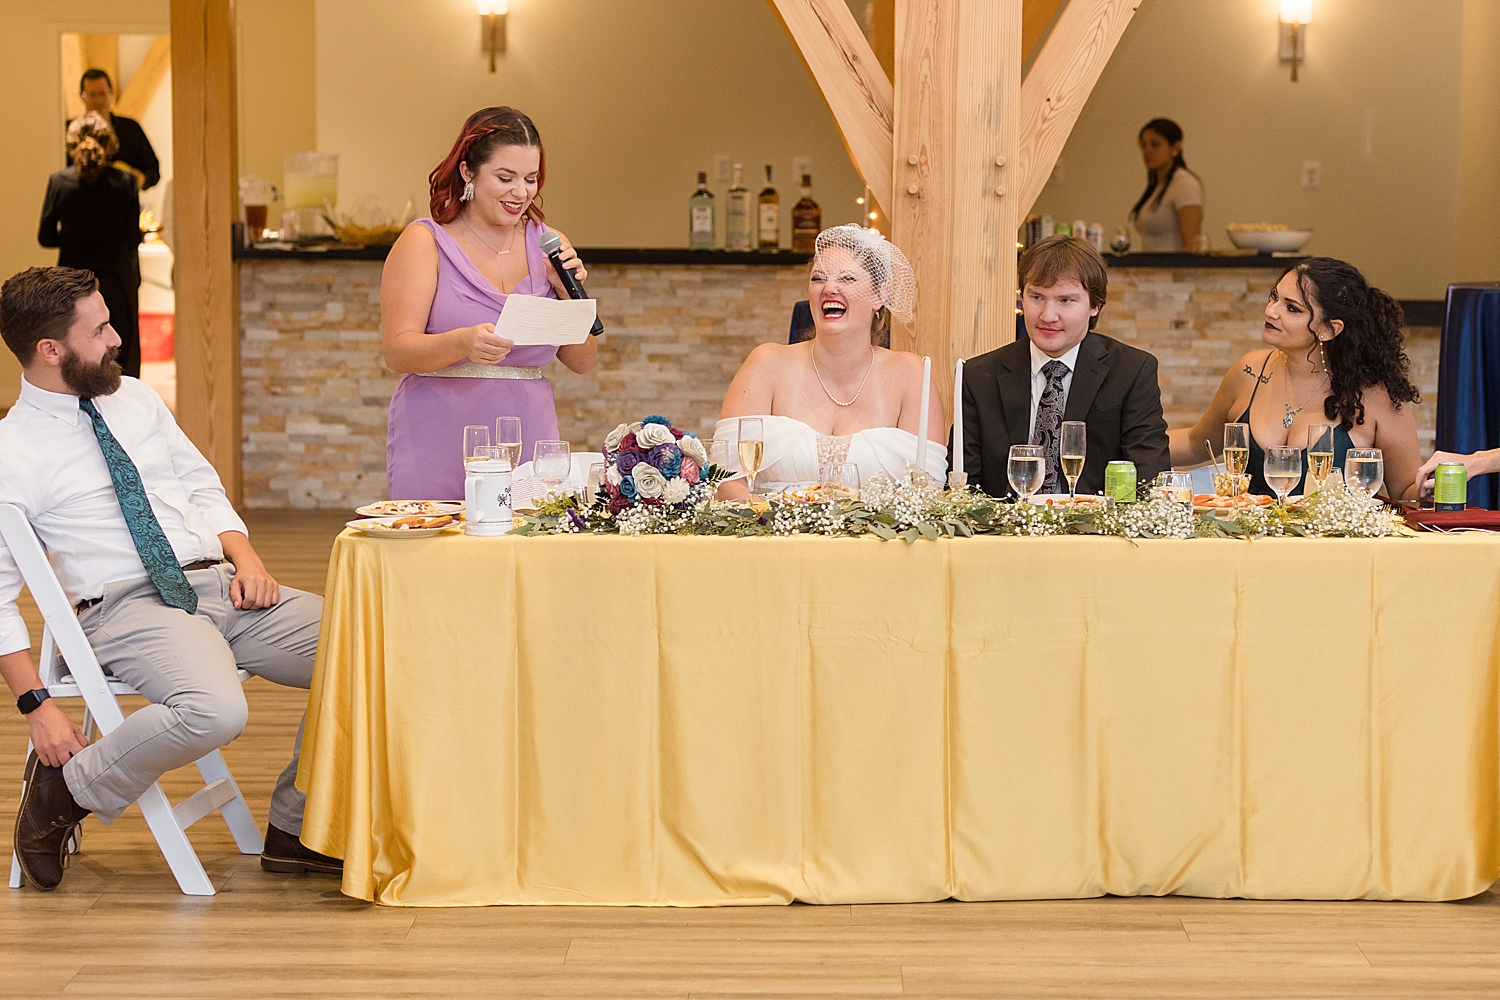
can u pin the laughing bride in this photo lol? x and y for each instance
(837, 398)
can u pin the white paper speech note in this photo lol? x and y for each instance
(531, 320)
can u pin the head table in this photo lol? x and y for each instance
(703, 721)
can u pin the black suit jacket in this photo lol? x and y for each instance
(1114, 389)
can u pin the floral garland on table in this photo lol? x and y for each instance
(658, 482)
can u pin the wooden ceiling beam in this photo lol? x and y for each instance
(1059, 84)
(852, 81)
(147, 78)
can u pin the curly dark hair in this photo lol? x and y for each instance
(1369, 351)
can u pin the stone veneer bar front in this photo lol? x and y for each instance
(316, 391)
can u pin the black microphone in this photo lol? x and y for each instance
(552, 247)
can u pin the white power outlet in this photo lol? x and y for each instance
(1312, 174)
(722, 168)
(800, 165)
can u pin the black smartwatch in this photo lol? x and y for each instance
(32, 700)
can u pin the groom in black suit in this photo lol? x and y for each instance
(1022, 393)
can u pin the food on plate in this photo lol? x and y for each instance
(1224, 503)
(410, 523)
(389, 507)
(1083, 501)
(1259, 227)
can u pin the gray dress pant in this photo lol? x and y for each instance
(185, 666)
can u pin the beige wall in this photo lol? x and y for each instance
(277, 83)
(32, 119)
(1478, 216)
(1378, 105)
(632, 99)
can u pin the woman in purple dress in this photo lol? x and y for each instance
(444, 284)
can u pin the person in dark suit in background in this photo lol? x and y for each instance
(92, 215)
(1022, 393)
(135, 151)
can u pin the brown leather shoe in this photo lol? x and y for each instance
(47, 817)
(286, 855)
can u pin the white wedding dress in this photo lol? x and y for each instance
(794, 452)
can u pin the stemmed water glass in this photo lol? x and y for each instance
(1175, 486)
(1283, 470)
(1364, 469)
(476, 443)
(1319, 455)
(508, 438)
(840, 479)
(1071, 448)
(1026, 469)
(752, 448)
(551, 462)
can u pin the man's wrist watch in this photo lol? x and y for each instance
(32, 700)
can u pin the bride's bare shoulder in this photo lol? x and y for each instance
(769, 357)
(905, 362)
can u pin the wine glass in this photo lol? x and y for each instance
(1071, 448)
(718, 453)
(1319, 455)
(1364, 469)
(1237, 456)
(476, 443)
(752, 448)
(1283, 470)
(1026, 469)
(551, 461)
(1121, 242)
(594, 482)
(1175, 486)
(508, 438)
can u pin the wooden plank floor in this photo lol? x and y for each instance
(118, 927)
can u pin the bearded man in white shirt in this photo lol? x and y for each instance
(167, 586)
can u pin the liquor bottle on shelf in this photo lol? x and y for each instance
(770, 216)
(807, 219)
(738, 226)
(701, 216)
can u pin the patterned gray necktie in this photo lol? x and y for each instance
(1049, 418)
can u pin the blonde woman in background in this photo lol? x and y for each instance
(91, 213)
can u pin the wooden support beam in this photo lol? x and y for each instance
(1059, 84)
(205, 199)
(958, 82)
(1037, 19)
(852, 81)
(146, 80)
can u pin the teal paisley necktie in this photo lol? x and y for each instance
(145, 530)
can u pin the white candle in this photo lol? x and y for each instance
(958, 417)
(922, 423)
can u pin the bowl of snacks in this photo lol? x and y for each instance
(1267, 237)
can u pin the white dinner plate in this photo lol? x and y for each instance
(373, 526)
(405, 508)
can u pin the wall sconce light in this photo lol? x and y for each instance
(492, 26)
(1295, 14)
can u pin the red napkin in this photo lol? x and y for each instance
(1474, 517)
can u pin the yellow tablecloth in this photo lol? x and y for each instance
(712, 721)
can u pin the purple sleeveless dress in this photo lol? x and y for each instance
(424, 445)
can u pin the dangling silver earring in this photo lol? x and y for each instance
(468, 194)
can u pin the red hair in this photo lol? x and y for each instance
(477, 141)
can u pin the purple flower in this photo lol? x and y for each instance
(628, 460)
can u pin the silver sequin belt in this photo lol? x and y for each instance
(471, 370)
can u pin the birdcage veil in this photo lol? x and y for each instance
(892, 283)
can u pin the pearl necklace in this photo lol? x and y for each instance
(836, 402)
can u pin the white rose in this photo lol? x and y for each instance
(693, 448)
(675, 491)
(651, 435)
(649, 482)
(613, 439)
(612, 475)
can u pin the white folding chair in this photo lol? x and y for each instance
(69, 670)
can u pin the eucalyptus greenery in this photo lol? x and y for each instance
(890, 509)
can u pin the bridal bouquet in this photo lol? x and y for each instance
(652, 463)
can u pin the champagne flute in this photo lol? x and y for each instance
(1283, 470)
(551, 462)
(752, 448)
(1319, 454)
(1237, 457)
(508, 439)
(1026, 469)
(1364, 469)
(476, 443)
(1072, 447)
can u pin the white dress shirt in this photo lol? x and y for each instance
(52, 468)
(1039, 381)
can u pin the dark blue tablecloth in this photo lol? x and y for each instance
(1468, 400)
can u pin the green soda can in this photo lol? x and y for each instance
(1119, 481)
(1451, 491)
